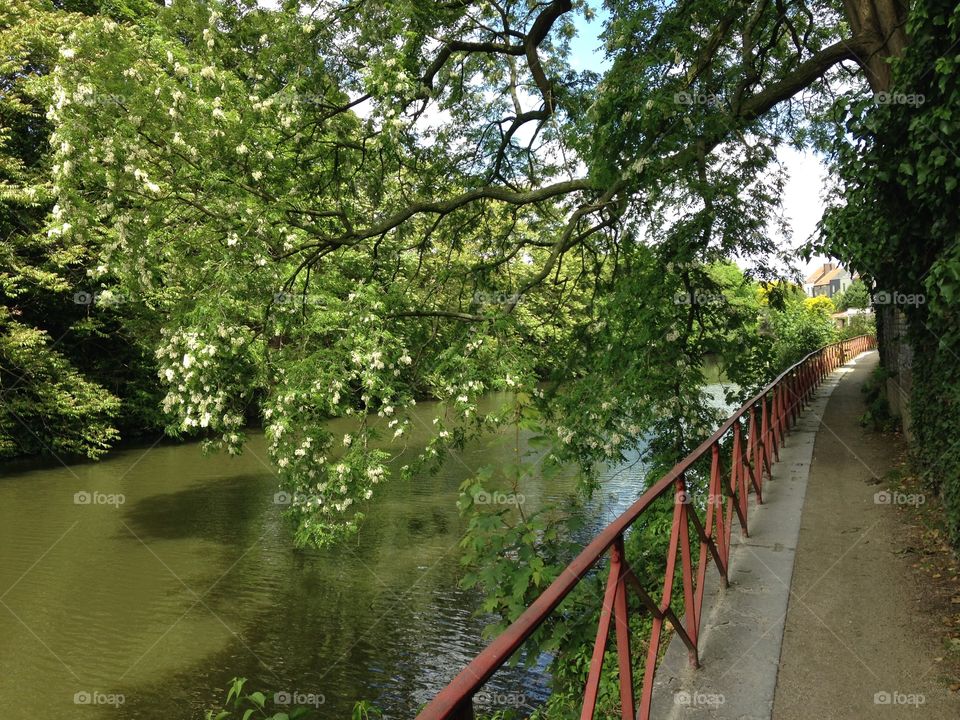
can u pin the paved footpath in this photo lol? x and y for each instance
(823, 619)
(856, 644)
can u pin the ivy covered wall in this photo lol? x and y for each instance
(897, 221)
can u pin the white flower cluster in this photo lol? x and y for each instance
(300, 445)
(356, 379)
(205, 378)
(607, 430)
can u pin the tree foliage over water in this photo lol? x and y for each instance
(337, 209)
(337, 212)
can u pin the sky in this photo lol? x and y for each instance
(587, 47)
(802, 201)
(803, 195)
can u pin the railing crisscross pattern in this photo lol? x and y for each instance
(754, 435)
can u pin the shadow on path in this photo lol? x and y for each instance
(857, 643)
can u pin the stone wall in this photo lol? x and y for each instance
(896, 356)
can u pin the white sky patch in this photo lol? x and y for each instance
(363, 110)
(803, 201)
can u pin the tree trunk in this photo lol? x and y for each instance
(883, 23)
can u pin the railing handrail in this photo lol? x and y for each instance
(493, 657)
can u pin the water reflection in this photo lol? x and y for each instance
(193, 580)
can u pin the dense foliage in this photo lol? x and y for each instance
(897, 221)
(75, 369)
(339, 228)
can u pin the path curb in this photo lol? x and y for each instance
(742, 627)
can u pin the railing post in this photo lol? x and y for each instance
(777, 419)
(715, 517)
(766, 432)
(686, 568)
(738, 482)
(754, 455)
(614, 610)
(794, 397)
(463, 711)
(622, 628)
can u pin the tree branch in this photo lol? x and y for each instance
(512, 197)
(804, 75)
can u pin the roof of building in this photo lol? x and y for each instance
(829, 276)
(828, 272)
(816, 276)
(852, 312)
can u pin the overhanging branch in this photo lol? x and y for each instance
(802, 76)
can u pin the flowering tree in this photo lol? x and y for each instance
(337, 211)
(59, 392)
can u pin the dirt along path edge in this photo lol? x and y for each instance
(858, 642)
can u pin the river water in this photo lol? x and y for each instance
(159, 601)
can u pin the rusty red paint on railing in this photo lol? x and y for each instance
(767, 416)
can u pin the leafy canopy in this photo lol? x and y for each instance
(341, 209)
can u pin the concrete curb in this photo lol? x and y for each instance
(741, 629)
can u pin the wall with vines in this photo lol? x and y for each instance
(897, 221)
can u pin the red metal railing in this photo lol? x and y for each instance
(758, 430)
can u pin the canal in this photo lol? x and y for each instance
(181, 575)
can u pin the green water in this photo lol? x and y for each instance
(192, 580)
